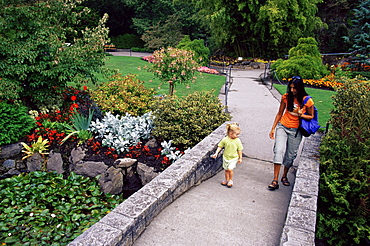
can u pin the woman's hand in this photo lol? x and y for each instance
(272, 134)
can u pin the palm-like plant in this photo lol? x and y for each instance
(79, 127)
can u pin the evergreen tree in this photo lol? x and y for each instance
(361, 35)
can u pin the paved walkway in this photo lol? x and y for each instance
(248, 213)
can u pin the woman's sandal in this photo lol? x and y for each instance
(230, 183)
(285, 181)
(224, 183)
(274, 185)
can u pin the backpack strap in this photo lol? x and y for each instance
(300, 120)
(306, 100)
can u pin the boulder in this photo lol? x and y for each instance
(8, 164)
(34, 163)
(11, 150)
(55, 162)
(124, 163)
(112, 181)
(146, 173)
(152, 143)
(77, 155)
(90, 168)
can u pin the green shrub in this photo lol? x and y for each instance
(15, 123)
(188, 120)
(127, 41)
(201, 52)
(304, 60)
(42, 208)
(123, 95)
(344, 194)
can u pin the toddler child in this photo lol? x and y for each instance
(232, 152)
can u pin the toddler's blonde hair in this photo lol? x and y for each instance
(232, 127)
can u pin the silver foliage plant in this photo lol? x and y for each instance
(170, 151)
(122, 132)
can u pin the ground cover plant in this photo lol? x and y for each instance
(43, 208)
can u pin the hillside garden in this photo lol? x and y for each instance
(60, 91)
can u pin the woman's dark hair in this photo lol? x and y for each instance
(301, 92)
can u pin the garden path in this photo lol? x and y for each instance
(248, 213)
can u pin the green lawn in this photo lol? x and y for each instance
(128, 64)
(322, 99)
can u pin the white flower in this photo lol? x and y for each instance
(53, 215)
(31, 214)
(21, 211)
(58, 225)
(9, 234)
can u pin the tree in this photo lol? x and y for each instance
(163, 35)
(201, 52)
(38, 54)
(174, 66)
(304, 60)
(259, 28)
(360, 35)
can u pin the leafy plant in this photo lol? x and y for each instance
(44, 60)
(188, 120)
(201, 52)
(304, 60)
(15, 123)
(344, 193)
(80, 126)
(123, 95)
(171, 152)
(37, 147)
(43, 208)
(121, 132)
(174, 66)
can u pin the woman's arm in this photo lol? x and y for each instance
(309, 113)
(277, 118)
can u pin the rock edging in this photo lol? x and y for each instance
(128, 220)
(300, 223)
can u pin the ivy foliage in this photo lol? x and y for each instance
(15, 123)
(43, 208)
(344, 194)
(188, 120)
(41, 49)
(304, 60)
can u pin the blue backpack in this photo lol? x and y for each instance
(309, 127)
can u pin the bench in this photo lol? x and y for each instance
(109, 47)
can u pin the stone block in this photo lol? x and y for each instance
(300, 218)
(308, 164)
(97, 235)
(306, 186)
(292, 236)
(123, 223)
(303, 201)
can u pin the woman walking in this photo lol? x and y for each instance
(285, 128)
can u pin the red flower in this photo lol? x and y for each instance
(73, 98)
(85, 88)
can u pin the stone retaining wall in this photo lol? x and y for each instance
(128, 220)
(300, 223)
